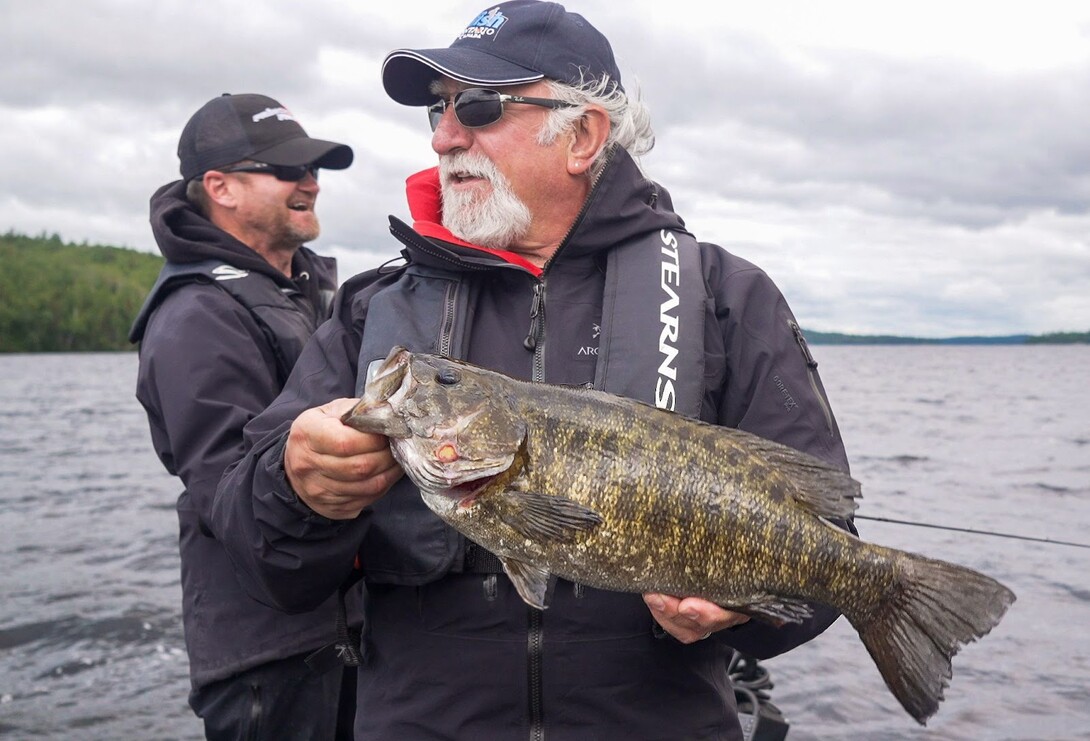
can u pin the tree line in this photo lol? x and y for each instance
(62, 297)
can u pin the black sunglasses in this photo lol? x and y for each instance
(477, 107)
(287, 173)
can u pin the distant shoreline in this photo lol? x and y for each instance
(1056, 338)
(63, 297)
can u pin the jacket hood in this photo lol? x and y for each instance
(185, 236)
(622, 205)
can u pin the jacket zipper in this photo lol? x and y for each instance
(446, 326)
(535, 341)
(811, 368)
(535, 338)
(535, 638)
(535, 641)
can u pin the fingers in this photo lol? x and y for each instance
(690, 619)
(335, 470)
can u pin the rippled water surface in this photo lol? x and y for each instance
(987, 438)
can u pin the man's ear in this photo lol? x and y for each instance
(587, 139)
(219, 189)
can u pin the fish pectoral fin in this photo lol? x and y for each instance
(774, 609)
(545, 518)
(529, 580)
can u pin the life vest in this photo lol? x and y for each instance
(286, 318)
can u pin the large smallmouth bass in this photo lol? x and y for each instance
(619, 495)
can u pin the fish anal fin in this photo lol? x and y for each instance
(546, 519)
(530, 581)
(773, 609)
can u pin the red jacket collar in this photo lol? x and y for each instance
(426, 208)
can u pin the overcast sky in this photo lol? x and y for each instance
(910, 168)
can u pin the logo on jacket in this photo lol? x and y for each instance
(229, 272)
(669, 281)
(484, 25)
(595, 333)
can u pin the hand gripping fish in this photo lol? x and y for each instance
(619, 495)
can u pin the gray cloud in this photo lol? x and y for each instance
(931, 139)
(884, 192)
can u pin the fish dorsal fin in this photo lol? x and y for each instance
(816, 486)
(547, 519)
(530, 581)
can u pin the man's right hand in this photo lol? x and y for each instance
(334, 469)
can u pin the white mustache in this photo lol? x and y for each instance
(466, 164)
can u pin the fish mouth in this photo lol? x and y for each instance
(387, 384)
(467, 492)
(449, 480)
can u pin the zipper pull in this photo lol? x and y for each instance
(530, 343)
(797, 331)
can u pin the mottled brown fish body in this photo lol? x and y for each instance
(619, 495)
(687, 508)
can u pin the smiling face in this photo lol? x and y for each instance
(279, 212)
(270, 216)
(531, 187)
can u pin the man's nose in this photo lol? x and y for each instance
(450, 135)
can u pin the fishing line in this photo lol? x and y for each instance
(974, 532)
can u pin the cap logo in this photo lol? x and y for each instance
(484, 25)
(282, 114)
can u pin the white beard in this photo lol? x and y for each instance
(495, 220)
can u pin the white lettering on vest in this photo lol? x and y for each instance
(670, 279)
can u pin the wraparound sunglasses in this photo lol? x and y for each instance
(287, 173)
(477, 107)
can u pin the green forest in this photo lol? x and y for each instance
(63, 297)
(60, 297)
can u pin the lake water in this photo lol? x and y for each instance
(988, 438)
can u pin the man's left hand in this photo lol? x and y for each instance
(690, 619)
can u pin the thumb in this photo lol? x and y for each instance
(338, 407)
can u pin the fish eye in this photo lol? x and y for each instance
(448, 377)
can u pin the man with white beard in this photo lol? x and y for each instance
(539, 249)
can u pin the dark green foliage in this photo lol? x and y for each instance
(1060, 338)
(61, 297)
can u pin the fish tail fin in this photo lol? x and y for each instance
(930, 612)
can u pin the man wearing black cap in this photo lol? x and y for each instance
(219, 333)
(539, 249)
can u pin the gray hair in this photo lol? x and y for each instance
(629, 119)
(197, 195)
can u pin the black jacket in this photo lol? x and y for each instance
(456, 654)
(208, 365)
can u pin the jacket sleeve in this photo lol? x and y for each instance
(286, 555)
(771, 388)
(205, 371)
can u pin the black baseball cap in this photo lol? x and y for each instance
(232, 128)
(512, 43)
